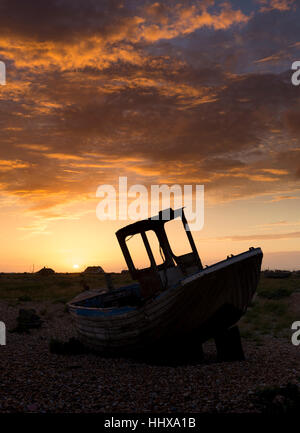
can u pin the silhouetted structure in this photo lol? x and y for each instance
(125, 272)
(46, 271)
(93, 270)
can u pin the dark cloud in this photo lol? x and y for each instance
(292, 119)
(65, 20)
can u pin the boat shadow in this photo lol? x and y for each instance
(180, 359)
(184, 356)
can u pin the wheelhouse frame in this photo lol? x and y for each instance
(158, 277)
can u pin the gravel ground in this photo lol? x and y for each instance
(34, 380)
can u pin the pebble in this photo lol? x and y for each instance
(37, 381)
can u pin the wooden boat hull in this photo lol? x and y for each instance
(198, 308)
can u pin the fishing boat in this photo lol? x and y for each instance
(172, 304)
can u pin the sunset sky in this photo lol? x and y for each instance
(175, 92)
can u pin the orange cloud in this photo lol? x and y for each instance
(281, 5)
(33, 147)
(113, 43)
(265, 236)
(132, 93)
(6, 165)
(63, 156)
(284, 197)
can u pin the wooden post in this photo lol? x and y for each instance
(229, 345)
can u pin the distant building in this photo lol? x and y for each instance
(94, 270)
(46, 271)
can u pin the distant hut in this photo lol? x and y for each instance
(46, 271)
(93, 270)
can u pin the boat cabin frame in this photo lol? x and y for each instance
(158, 277)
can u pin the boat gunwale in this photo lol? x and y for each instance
(206, 271)
(220, 265)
